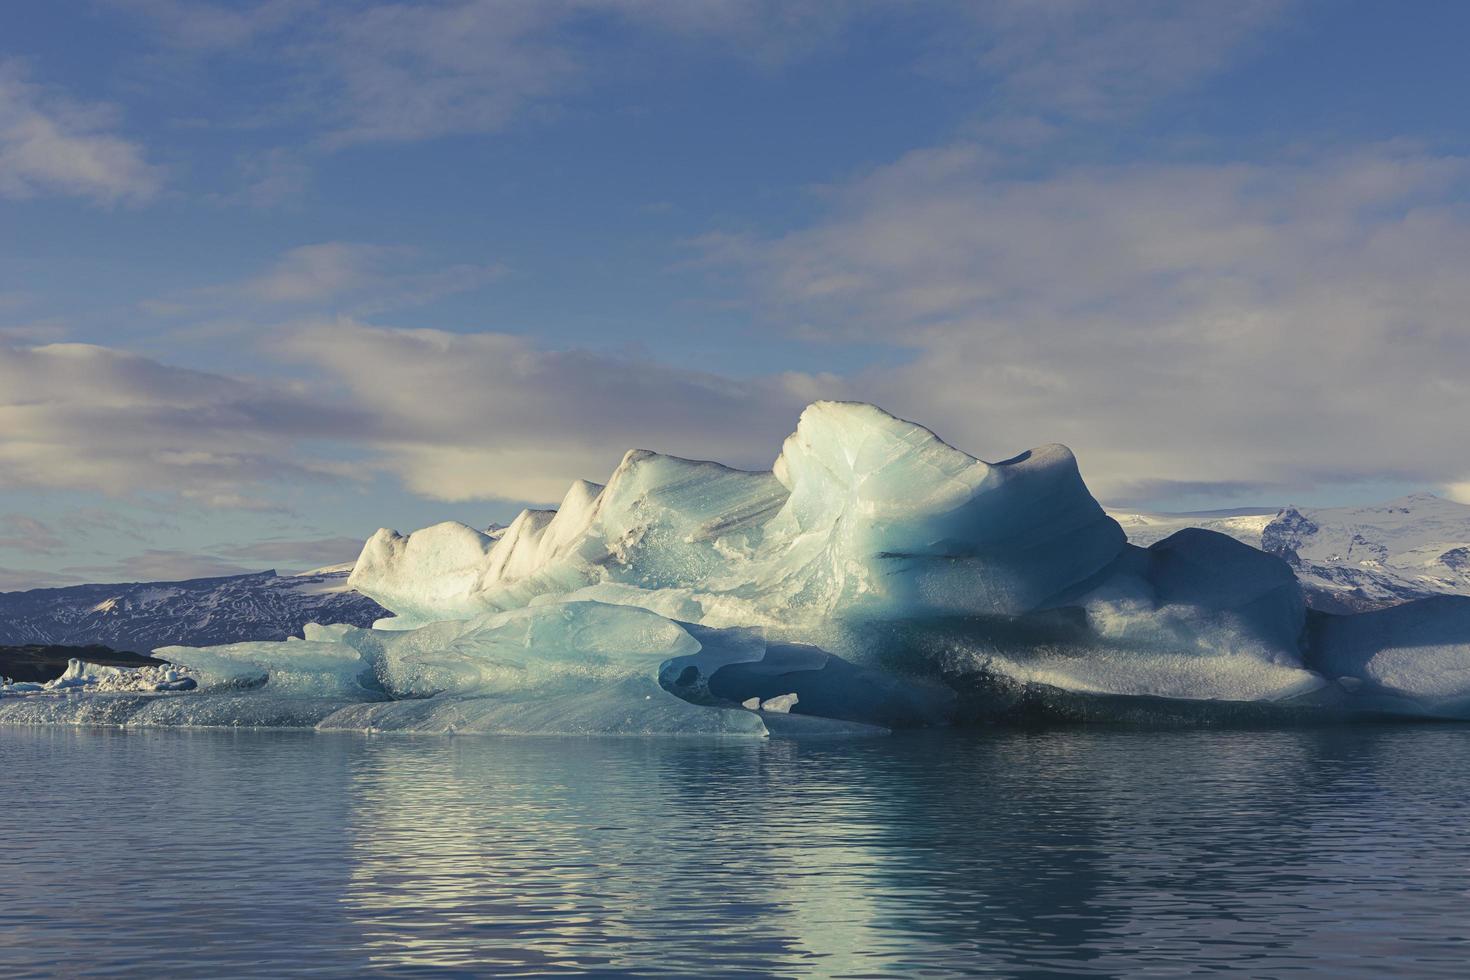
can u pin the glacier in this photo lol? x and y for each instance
(875, 578)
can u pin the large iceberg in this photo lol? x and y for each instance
(874, 578)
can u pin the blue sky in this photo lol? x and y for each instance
(274, 274)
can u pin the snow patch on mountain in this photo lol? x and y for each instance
(1348, 559)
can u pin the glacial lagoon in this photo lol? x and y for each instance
(1330, 851)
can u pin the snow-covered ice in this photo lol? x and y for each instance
(874, 578)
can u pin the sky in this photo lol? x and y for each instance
(275, 274)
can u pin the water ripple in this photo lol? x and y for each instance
(1341, 852)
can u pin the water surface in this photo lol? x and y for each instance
(1335, 852)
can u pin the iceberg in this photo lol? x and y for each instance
(874, 578)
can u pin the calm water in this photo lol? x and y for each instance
(1330, 852)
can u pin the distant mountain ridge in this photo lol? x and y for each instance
(1348, 559)
(142, 616)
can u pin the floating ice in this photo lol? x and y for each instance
(82, 676)
(875, 578)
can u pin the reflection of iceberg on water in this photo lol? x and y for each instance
(874, 578)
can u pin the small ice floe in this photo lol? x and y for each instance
(82, 676)
(752, 703)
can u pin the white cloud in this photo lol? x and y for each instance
(53, 145)
(489, 415)
(455, 417)
(1194, 327)
(1298, 322)
(77, 416)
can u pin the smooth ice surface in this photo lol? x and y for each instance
(874, 578)
(1415, 658)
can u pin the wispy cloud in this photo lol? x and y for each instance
(270, 178)
(294, 553)
(210, 27)
(158, 565)
(90, 520)
(84, 417)
(357, 277)
(34, 332)
(402, 71)
(19, 532)
(1097, 61)
(454, 417)
(313, 273)
(163, 564)
(53, 145)
(491, 415)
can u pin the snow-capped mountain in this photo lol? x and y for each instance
(1347, 558)
(142, 616)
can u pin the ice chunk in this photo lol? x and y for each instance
(82, 676)
(863, 515)
(781, 704)
(885, 518)
(552, 669)
(300, 668)
(1413, 658)
(432, 572)
(1196, 616)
